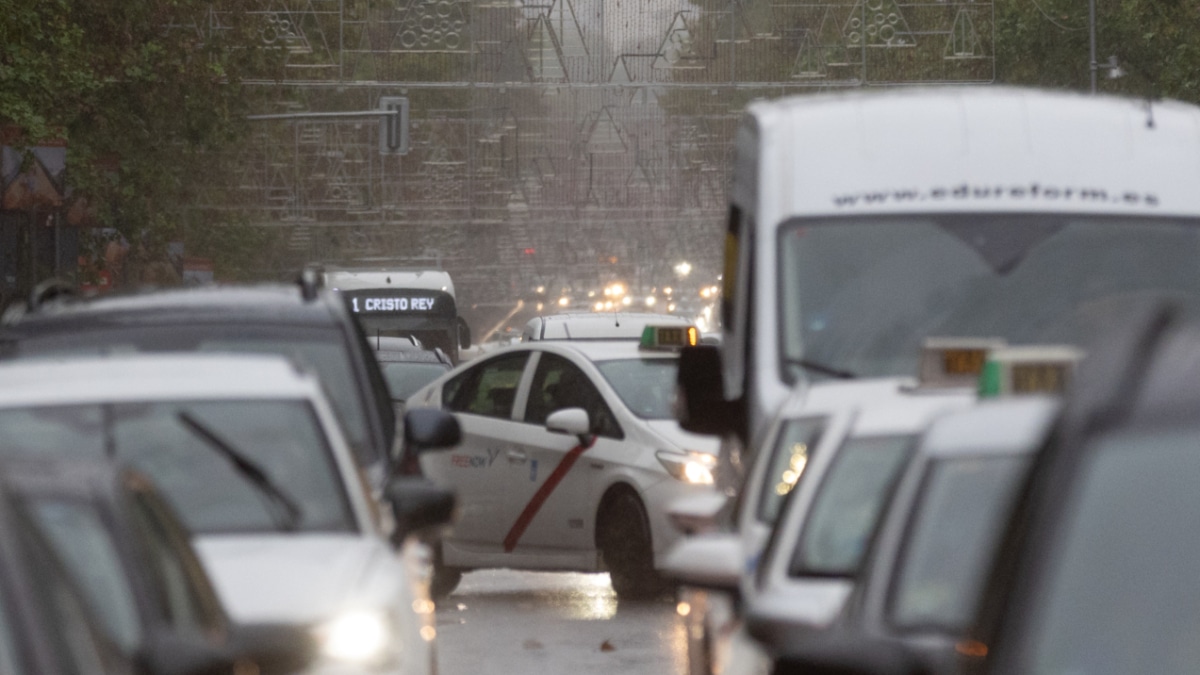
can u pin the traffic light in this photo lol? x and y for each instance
(393, 128)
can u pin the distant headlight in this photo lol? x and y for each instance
(690, 467)
(359, 637)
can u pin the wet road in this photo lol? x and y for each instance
(517, 623)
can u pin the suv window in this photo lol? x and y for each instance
(558, 384)
(488, 389)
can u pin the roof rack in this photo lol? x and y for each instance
(310, 282)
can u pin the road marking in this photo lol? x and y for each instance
(542, 494)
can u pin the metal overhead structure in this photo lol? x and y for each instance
(555, 143)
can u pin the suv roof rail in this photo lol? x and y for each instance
(310, 281)
(50, 289)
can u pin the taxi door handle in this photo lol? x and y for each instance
(516, 456)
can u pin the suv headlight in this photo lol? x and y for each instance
(695, 468)
(360, 637)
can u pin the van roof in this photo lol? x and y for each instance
(949, 149)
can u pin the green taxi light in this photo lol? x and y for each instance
(1028, 369)
(669, 337)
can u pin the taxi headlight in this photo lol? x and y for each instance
(690, 467)
(360, 637)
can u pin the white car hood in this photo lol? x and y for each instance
(298, 578)
(671, 432)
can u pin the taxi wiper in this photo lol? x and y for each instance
(822, 369)
(288, 509)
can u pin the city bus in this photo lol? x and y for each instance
(404, 302)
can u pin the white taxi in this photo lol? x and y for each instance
(570, 454)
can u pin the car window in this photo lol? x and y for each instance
(404, 378)
(282, 438)
(489, 389)
(324, 350)
(186, 599)
(848, 505)
(1119, 594)
(789, 458)
(559, 384)
(86, 546)
(952, 533)
(53, 429)
(73, 638)
(11, 654)
(645, 386)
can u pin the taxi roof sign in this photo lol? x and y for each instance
(1029, 369)
(955, 361)
(668, 338)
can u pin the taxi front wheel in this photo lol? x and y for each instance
(623, 535)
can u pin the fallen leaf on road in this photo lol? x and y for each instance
(532, 644)
(607, 646)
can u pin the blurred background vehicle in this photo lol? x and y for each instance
(46, 621)
(249, 452)
(407, 366)
(133, 560)
(302, 322)
(821, 532)
(926, 568)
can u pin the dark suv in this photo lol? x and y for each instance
(311, 325)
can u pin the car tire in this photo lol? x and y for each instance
(444, 579)
(623, 536)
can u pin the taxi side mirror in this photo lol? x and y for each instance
(700, 404)
(573, 421)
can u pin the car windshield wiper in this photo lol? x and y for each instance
(822, 369)
(289, 510)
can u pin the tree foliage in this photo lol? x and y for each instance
(1155, 42)
(141, 92)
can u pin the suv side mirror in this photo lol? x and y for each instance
(430, 429)
(700, 404)
(464, 333)
(417, 504)
(848, 654)
(425, 429)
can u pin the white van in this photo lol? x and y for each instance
(862, 223)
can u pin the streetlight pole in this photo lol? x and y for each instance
(1092, 41)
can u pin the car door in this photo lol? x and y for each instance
(556, 481)
(482, 398)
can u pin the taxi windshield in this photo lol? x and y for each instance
(859, 295)
(646, 386)
(281, 438)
